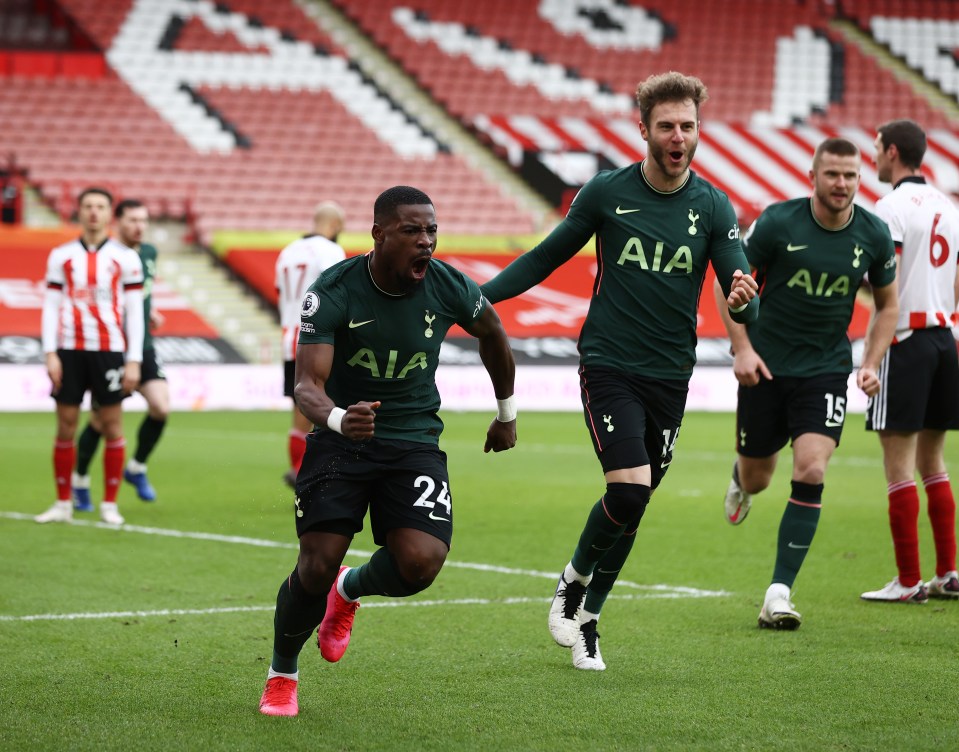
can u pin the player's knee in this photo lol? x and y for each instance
(317, 571)
(111, 430)
(811, 474)
(159, 412)
(754, 480)
(419, 562)
(626, 502)
(754, 484)
(419, 571)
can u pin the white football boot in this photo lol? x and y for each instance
(564, 611)
(61, 511)
(778, 611)
(586, 653)
(897, 593)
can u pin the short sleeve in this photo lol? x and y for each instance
(756, 243)
(882, 271)
(321, 314)
(471, 302)
(885, 212)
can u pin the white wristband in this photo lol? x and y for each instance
(505, 410)
(335, 421)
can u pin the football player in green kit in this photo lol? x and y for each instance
(657, 226)
(370, 336)
(810, 256)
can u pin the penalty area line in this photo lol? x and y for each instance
(683, 591)
(390, 603)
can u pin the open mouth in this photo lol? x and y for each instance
(419, 267)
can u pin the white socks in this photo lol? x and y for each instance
(571, 575)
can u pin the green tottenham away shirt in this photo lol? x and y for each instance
(387, 347)
(652, 249)
(808, 277)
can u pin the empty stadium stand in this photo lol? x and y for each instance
(241, 114)
(226, 138)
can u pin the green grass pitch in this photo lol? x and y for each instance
(158, 636)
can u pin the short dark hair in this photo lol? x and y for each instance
(400, 195)
(127, 203)
(841, 147)
(908, 138)
(669, 87)
(95, 190)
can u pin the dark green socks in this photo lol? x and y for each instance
(796, 530)
(86, 447)
(147, 438)
(298, 613)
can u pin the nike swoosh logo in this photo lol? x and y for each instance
(793, 545)
(438, 519)
(354, 324)
(790, 247)
(833, 424)
(664, 465)
(620, 210)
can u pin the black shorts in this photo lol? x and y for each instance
(403, 484)
(152, 367)
(919, 380)
(100, 373)
(632, 420)
(289, 377)
(772, 413)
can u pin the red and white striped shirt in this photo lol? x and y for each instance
(297, 267)
(94, 299)
(924, 224)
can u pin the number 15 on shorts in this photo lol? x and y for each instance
(835, 410)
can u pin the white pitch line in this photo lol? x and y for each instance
(655, 591)
(391, 603)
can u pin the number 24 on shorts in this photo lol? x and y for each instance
(443, 497)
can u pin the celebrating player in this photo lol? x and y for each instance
(369, 346)
(658, 225)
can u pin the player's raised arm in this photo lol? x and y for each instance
(556, 249)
